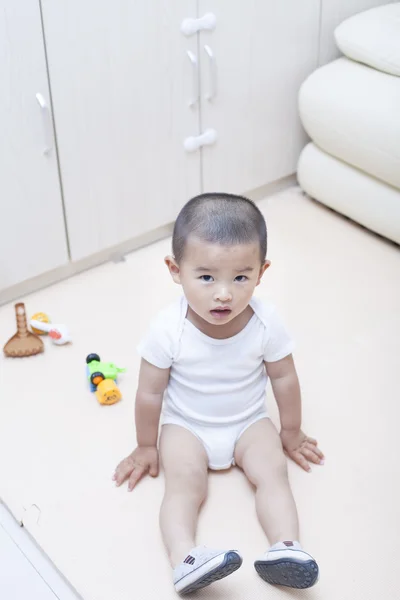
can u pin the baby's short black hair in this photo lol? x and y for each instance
(218, 218)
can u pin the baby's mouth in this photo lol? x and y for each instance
(221, 313)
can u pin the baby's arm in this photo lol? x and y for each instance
(149, 397)
(285, 385)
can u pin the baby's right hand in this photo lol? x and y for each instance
(142, 460)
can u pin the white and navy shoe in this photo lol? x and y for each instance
(287, 564)
(203, 566)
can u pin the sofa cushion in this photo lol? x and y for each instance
(373, 38)
(350, 192)
(352, 112)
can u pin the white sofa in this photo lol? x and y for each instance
(350, 108)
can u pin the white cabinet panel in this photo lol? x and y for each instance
(333, 13)
(33, 238)
(263, 51)
(121, 83)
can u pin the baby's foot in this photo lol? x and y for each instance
(287, 564)
(203, 566)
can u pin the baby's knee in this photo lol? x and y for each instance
(278, 463)
(267, 468)
(187, 477)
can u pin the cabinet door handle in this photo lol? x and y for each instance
(209, 137)
(213, 73)
(192, 26)
(47, 123)
(194, 62)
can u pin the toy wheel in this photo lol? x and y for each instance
(91, 357)
(96, 378)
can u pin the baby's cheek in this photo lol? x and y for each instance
(196, 291)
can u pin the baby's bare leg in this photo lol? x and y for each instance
(185, 466)
(259, 453)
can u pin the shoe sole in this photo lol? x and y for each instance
(288, 572)
(232, 561)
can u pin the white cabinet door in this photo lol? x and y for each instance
(33, 238)
(333, 13)
(263, 51)
(121, 83)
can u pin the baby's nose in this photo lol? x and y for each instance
(223, 295)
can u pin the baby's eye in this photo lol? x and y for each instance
(241, 278)
(207, 278)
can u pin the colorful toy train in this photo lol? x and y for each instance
(103, 379)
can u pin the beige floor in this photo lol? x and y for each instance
(338, 288)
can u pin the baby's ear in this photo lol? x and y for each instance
(173, 268)
(263, 268)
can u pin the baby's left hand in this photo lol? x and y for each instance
(301, 449)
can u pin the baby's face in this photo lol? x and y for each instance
(219, 281)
